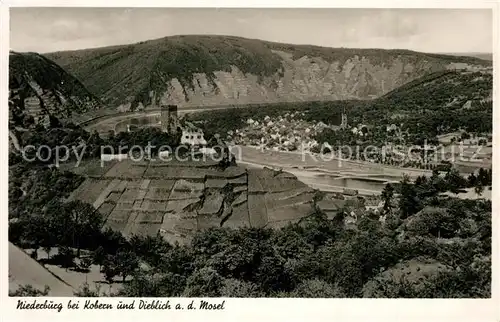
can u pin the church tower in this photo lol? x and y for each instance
(343, 125)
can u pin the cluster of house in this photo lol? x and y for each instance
(285, 133)
(354, 206)
(392, 130)
(191, 135)
(290, 132)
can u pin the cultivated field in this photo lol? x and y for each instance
(175, 200)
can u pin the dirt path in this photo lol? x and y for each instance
(25, 270)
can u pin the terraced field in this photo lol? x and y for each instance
(176, 200)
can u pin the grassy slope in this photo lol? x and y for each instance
(118, 71)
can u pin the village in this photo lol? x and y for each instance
(385, 144)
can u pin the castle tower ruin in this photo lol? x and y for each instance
(169, 119)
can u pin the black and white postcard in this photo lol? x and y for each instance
(192, 160)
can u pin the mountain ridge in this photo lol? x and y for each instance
(205, 70)
(481, 55)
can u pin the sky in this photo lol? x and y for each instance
(426, 30)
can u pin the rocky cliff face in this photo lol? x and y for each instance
(305, 79)
(39, 88)
(195, 71)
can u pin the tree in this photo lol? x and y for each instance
(435, 222)
(109, 270)
(34, 254)
(28, 121)
(149, 284)
(85, 263)
(272, 276)
(483, 177)
(85, 291)
(29, 291)
(479, 189)
(233, 261)
(34, 232)
(392, 222)
(204, 282)
(150, 248)
(66, 257)
(237, 288)
(387, 195)
(471, 180)
(85, 223)
(454, 180)
(54, 122)
(316, 288)
(99, 256)
(179, 260)
(291, 242)
(437, 182)
(38, 233)
(409, 203)
(95, 142)
(112, 240)
(421, 180)
(126, 263)
(318, 230)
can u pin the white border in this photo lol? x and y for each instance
(262, 309)
(455, 4)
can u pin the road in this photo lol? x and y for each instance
(102, 121)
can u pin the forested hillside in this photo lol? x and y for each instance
(422, 244)
(40, 88)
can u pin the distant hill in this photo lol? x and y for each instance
(450, 89)
(222, 70)
(41, 88)
(439, 103)
(484, 56)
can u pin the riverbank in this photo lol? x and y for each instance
(365, 185)
(312, 162)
